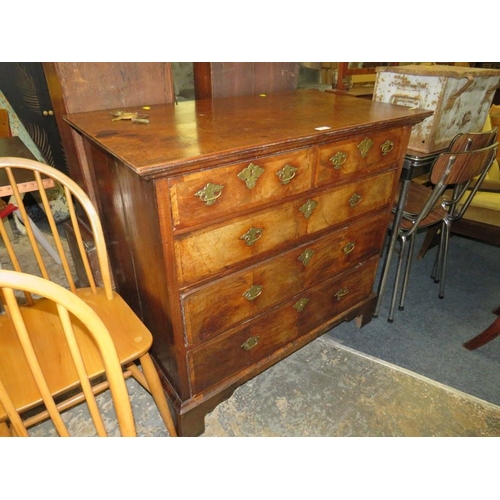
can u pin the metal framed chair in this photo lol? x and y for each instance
(462, 142)
(456, 172)
(131, 338)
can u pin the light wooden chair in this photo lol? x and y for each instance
(129, 335)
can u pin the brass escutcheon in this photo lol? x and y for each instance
(306, 256)
(250, 175)
(308, 207)
(252, 235)
(354, 200)
(364, 146)
(210, 193)
(341, 293)
(348, 248)
(387, 147)
(287, 173)
(250, 343)
(253, 292)
(301, 304)
(338, 159)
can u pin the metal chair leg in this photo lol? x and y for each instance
(409, 261)
(390, 318)
(436, 270)
(444, 260)
(390, 243)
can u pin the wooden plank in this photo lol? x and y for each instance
(14, 146)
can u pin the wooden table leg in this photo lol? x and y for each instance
(492, 332)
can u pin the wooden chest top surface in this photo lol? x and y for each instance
(180, 136)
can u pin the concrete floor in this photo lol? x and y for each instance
(327, 389)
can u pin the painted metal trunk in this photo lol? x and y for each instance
(460, 98)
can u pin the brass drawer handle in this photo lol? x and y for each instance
(354, 200)
(252, 235)
(387, 147)
(210, 193)
(250, 175)
(250, 343)
(301, 304)
(338, 159)
(348, 248)
(306, 256)
(287, 173)
(308, 208)
(253, 292)
(364, 146)
(341, 293)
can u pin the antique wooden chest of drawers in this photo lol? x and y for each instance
(239, 229)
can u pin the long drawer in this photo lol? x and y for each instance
(205, 252)
(221, 304)
(235, 350)
(361, 155)
(208, 194)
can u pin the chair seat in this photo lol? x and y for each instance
(417, 196)
(133, 341)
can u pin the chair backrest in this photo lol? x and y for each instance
(28, 347)
(12, 170)
(454, 171)
(458, 171)
(461, 167)
(470, 141)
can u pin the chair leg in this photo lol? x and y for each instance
(390, 319)
(156, 389)
(491, 333)
(446, 244)
(429, 241)
(436, 269)
(409, 261)
(390, 243)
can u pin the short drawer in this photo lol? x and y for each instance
(224, 303)
(208, 251)
(238, 349)
(213, 193)
(362, 155)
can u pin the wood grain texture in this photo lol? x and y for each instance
(203, 253)
(222, 303)
(198, 134)
(224, 356)
(186, 265)
(223, 79)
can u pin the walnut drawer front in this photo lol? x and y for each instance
(235, 350)
(219, 191)
(223, 303)
(205, 252)
(358, 156)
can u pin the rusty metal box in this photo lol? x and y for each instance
(460, 98)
